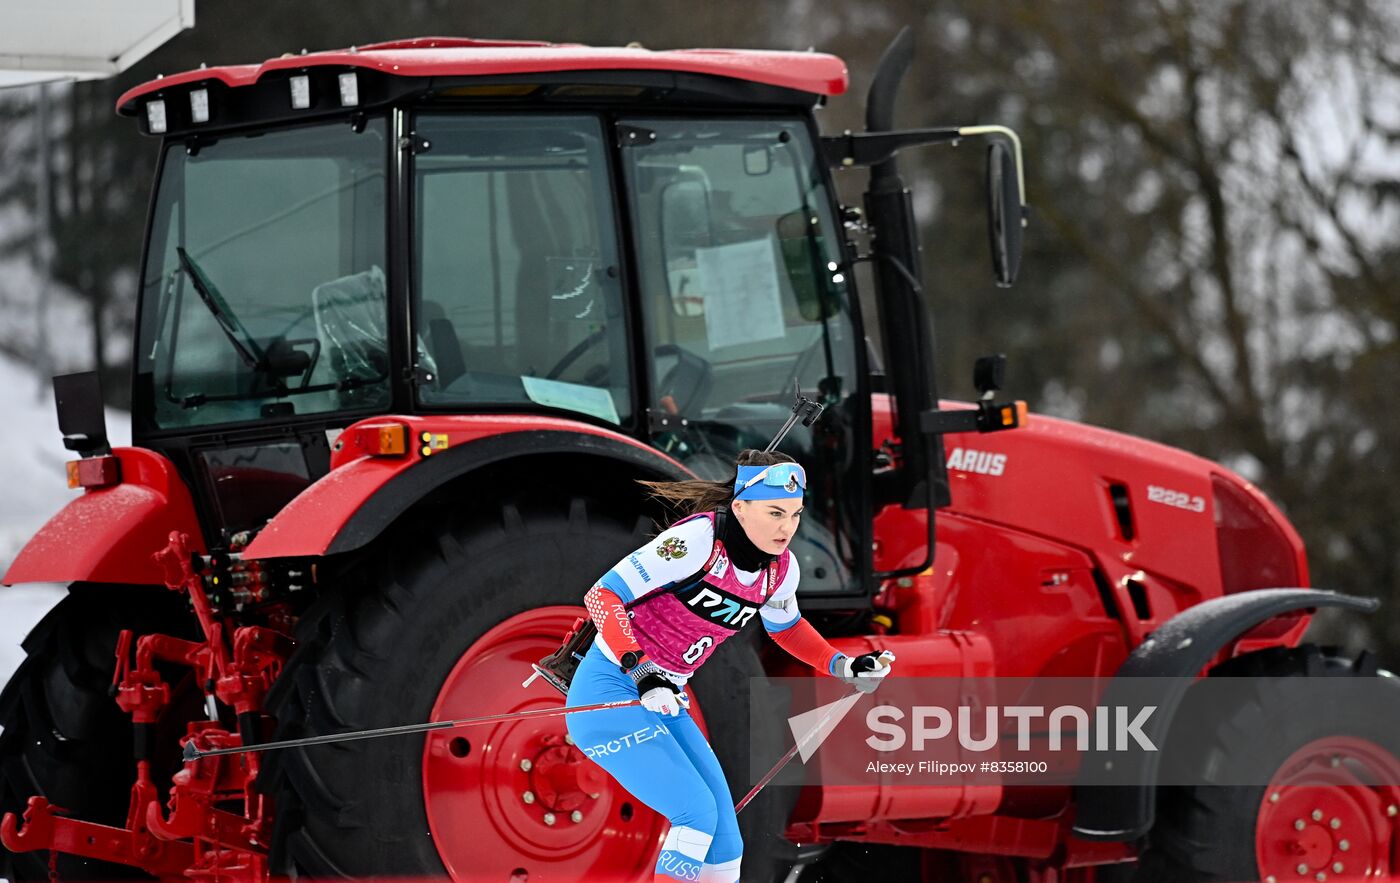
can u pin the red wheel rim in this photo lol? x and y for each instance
(518, 796)
(1330, 813)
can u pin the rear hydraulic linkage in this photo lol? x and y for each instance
(197, 839)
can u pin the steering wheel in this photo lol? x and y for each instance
(687, 382)
(575, 352)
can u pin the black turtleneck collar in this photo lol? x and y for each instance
(743, 554)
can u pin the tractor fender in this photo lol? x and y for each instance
(109, 534)
(354, 503)
(1173, 655)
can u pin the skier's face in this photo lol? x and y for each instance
(770, 524)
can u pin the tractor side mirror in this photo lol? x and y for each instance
(815, 291)
(684, 228)
(1005, 213)
(989, 374)
(81, 418)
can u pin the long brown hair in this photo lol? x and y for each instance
(694, 496)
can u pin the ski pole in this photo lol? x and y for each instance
(821, 724)
(791, 753)
(767, 777)
(193, 753)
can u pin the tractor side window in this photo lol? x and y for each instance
(263, 295)
(743, 302)
(516, 290)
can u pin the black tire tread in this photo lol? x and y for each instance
(336, 657)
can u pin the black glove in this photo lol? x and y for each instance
(864, 672)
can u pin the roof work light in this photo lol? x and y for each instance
(349, 89)
(199, 105)
(301, 92)
(155, 116)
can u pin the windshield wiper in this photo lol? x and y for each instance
(248, 349)
(198, 399)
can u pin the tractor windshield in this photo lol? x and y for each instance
(263, 294)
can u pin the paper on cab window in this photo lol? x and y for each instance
(591, 400)
(743, 303)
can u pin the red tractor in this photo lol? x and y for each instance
(413, 319)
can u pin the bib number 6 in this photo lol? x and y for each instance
(696, 650)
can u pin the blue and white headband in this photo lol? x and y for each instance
(780, 481)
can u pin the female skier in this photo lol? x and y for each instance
(660, 613)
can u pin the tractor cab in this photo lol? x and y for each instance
(645, 242)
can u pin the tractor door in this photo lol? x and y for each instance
(743, 300)
(517, 293)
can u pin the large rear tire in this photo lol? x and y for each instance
(1329, 808)
(442, 622)
(64, 736)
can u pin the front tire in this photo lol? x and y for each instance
(1332, 798)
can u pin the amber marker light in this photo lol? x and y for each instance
(389, 441)
(94, 472)
(379, 439)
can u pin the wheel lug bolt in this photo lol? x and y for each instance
(1336, 823)
(1344, 845)
(1273, 798)
(1321, 876)
(549, 818)
(1336, 760)
(1337, 868)
(1271, 879)
(568, 740)
(1299, 825)
(528, 797)
(526, 765)
(1302, 869)
(595, 795)
(576, 817)
(1317, 815)
(1392, 810)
